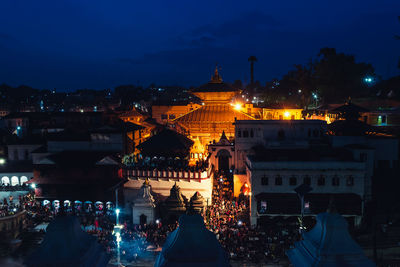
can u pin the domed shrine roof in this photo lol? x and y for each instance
(196, 204)
(328, 244)
(191, 244)
(175, 200)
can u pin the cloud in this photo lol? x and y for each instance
(248, 25)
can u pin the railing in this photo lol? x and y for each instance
(15, 188)
(167, 174)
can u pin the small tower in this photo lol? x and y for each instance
(143, 205)
(196, 204)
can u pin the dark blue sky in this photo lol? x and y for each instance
(70, 44)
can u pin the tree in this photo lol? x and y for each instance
(338, 76)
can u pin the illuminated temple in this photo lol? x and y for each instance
(216, 115)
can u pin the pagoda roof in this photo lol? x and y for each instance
(213, 113)
(166, 143)
(350, 107)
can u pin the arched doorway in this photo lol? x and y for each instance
(143, 219)
(223, 160)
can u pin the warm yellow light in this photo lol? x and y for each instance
(286, 114)
(238, 106)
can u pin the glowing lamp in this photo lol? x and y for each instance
(117, 211)
(33, 186)
(240, 222)
(286, 114)
(18, 127)
(238, 106)
(2, 161)
(157, 221)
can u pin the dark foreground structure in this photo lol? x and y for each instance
(328, 244)
(67, 245)
(191, 244)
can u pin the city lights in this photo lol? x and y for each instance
(368, 79)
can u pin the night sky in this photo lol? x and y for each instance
(71, 44)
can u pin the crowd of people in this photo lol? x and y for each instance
(227, 217)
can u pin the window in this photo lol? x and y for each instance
(293, 180)
(164, 116)
(335, 181)
(307, 180)
(350, 180)
(278, 180)
(251, 133)
(315, 133)
(245, 133)
(263, 207)
(239, 133)
(321, 180)
(264, 180)
(363, 157)
(15, 154)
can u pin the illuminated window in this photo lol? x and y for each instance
(278, 180)
(293, 180)
(24, 179)
(14, 181)
(5, 180)
(264, 180)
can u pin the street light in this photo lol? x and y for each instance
(33, 186)
(117, 211)
(2, 161)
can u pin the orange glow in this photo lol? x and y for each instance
(286, 114)
(237, 106)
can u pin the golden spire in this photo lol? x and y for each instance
(216, 78)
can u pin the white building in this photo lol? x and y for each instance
(274, 174)
(274, 133)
